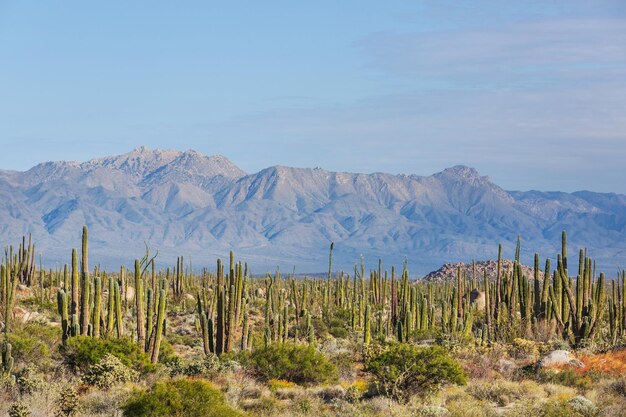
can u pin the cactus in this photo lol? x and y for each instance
(139, 305)
(118, 311)
(62, 306)
(97, 310)
(149, 318)
(7, 358)
(231, 320)
(9, 285)
(84, 301)
(244, 332)
(367, 331)
(584, 308)
(110, 308)
(310, 330)
(160, 325)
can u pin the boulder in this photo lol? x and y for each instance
(583, 405)
(477, 298)
(130, 294)
(558, 358)
(506, 366)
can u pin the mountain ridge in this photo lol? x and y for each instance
(187, 203)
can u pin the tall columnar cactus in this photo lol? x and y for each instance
(7, 358)
(231, 319)
(139, 304)
(585, 308)
(149, 317)
(62, 306)
(97, 306)
(119, 319)
(367, 328)
(245, 331)
(488, 308)
(310, 330)
(84, 302)
(75, 284)
(160, 325)
(220, 340)
(206, 325)
(110, 308)
(9, 282)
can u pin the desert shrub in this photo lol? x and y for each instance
(276, 384)
(108, 372)
(405, 370)
(577, 407)
(524, 348)
(166, 352)
(319, 327)
(619, 386)
(26, 381)
(28, 350)
(338, 332)
(35, 303)
(299, 364)
(344, 362)
(208, 366)
(179, 397)
(67, 403)
(19, 410)
(505, 392)
(82, 352)
(567, 377)
(178, 339)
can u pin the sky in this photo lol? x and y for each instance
(532, 93)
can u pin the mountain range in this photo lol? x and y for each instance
(187, 203)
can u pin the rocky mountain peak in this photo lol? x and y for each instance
(463, 172)
(187, 203)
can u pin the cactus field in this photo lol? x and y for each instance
(374, 340)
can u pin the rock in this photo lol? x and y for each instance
(448, 272)
(331, 393)
(478, 298)
(582, 405)
(130, 294)
(25, 316)
(251, 392)
(560, 358)
(288, 393)
(433, 411)
(506, 367)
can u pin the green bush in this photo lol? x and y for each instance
(179, 397)
(82, 352)
(108, 372)
(28, 349)
(405, 370)
(295, 363)
(338, 332)
(166, 352)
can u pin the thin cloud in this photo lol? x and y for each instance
(520, 55)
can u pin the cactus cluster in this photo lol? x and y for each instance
(221, 307)
(373, 305)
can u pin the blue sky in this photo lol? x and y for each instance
(532, 94)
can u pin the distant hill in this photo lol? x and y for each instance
(449, 272)
(186, 203)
